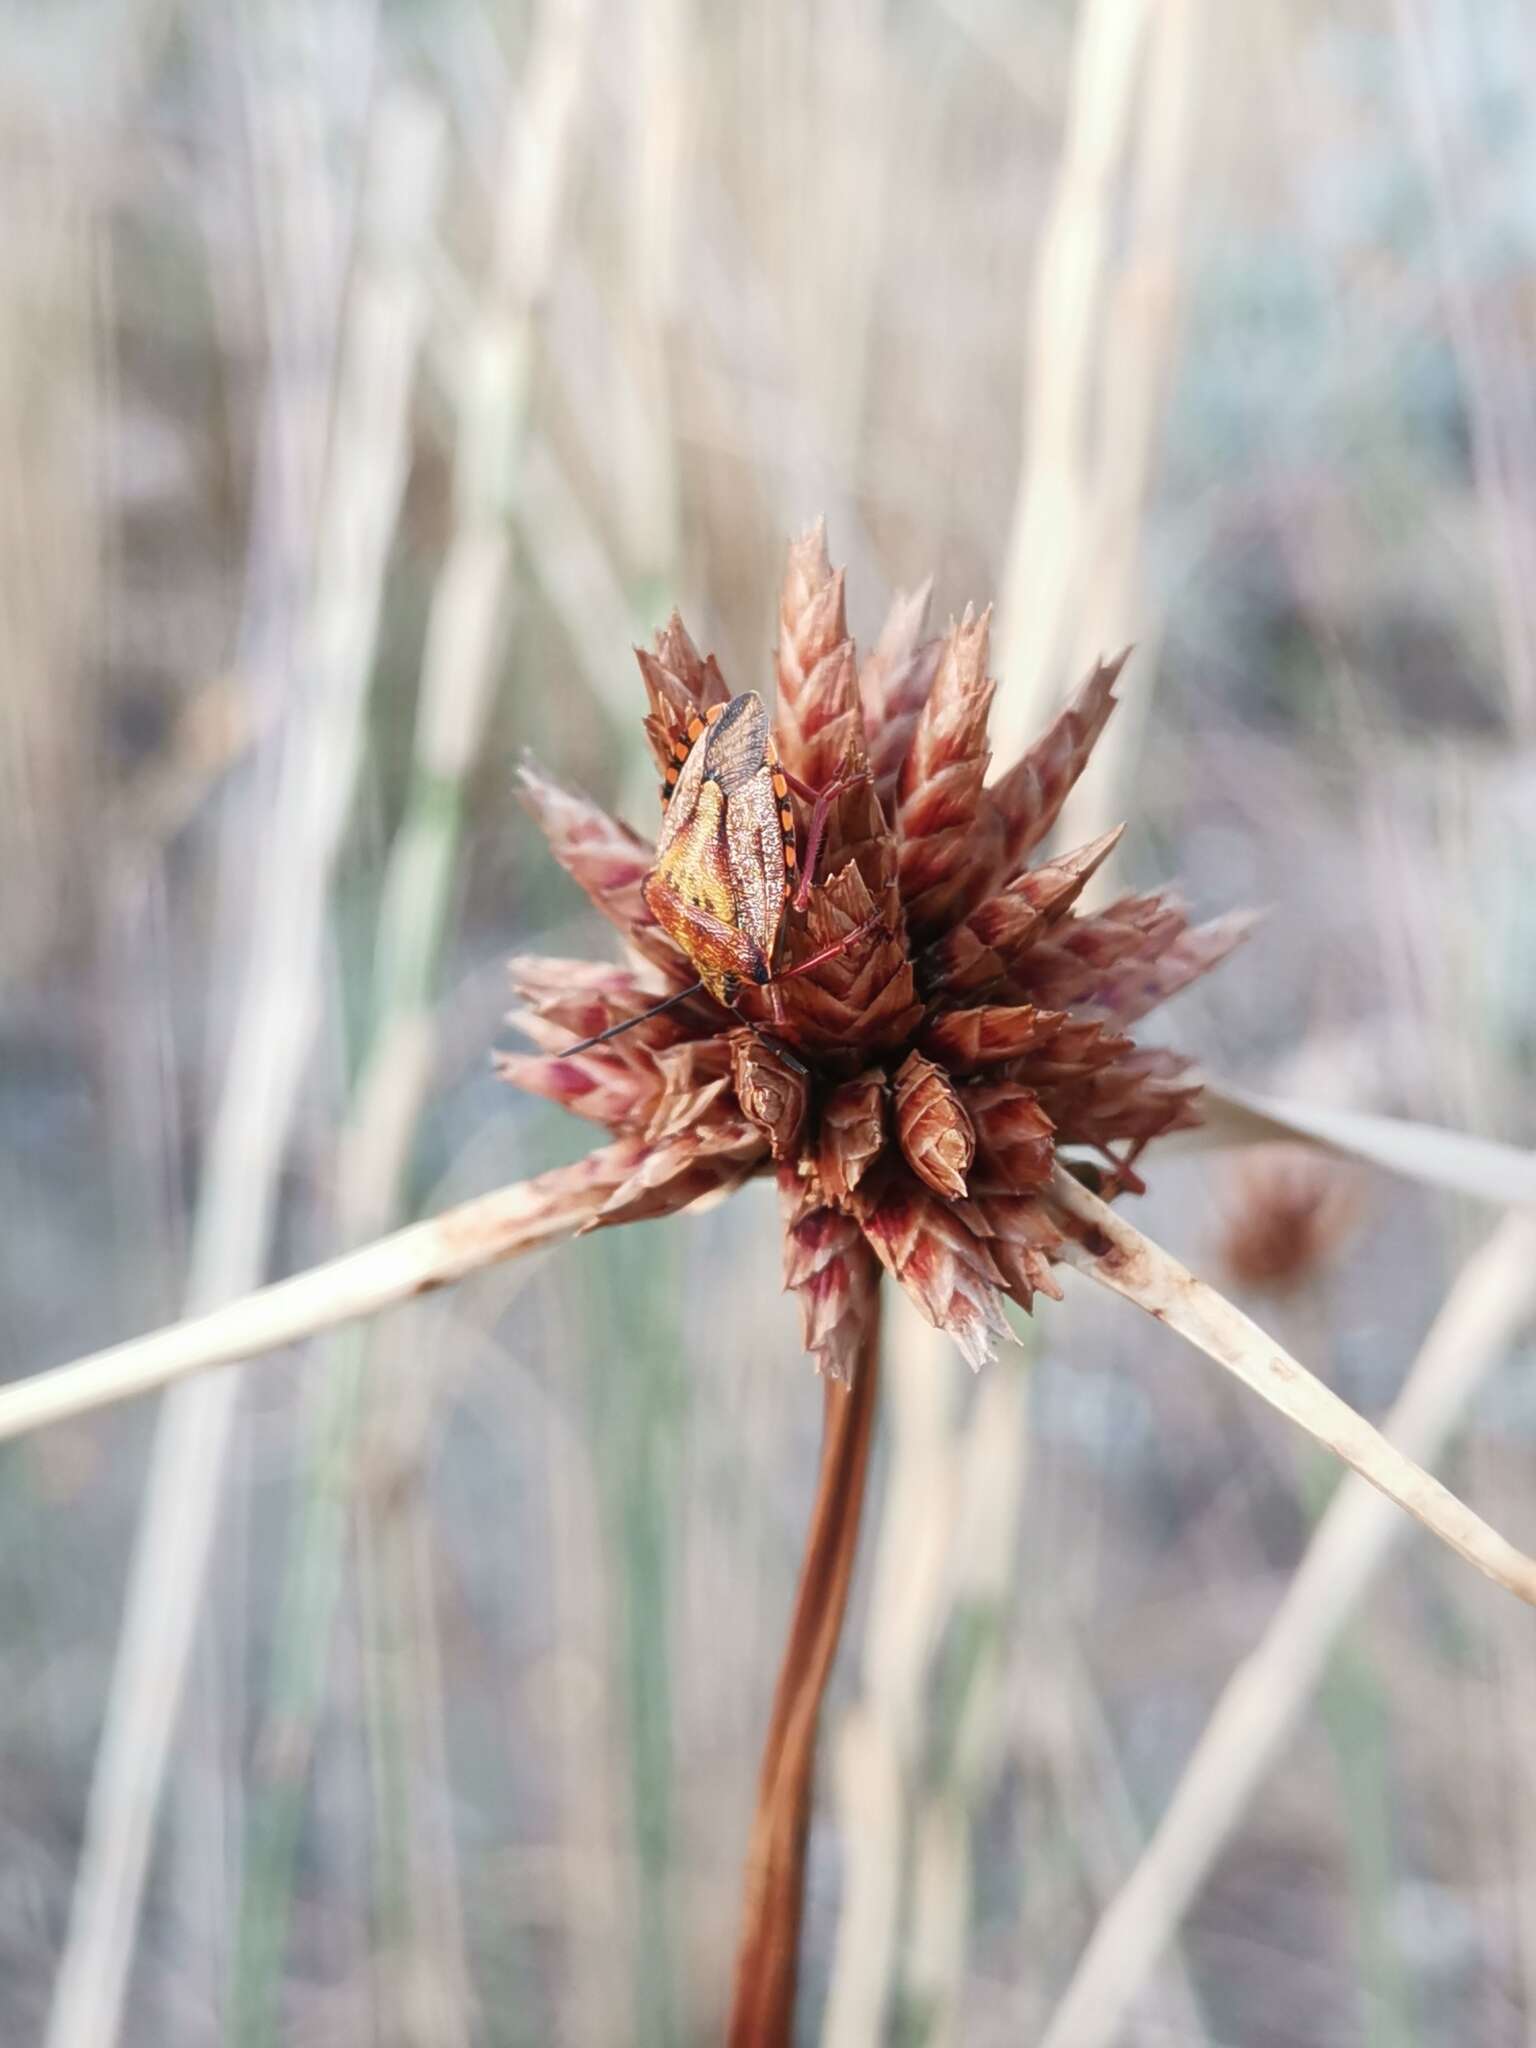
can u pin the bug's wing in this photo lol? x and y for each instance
(755, 838)
(684, 801)
(736, 745)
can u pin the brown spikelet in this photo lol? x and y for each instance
(864, 997)
(943, 838)
(983, 952)
(706, 1160)
(583, 997)
(894, 682)
(1187, 956)
(988, 949)
(932, 1127)
(773, 1094)
(693, 1064)
(923, 1245)
(673, 1116)
(966, 1040)
(1139, 1095)
(1086, 963)
(680, 684)
(1081, 1047)
(604, 858)
(852, 1133)
(833, 1274)
(1015, 1139)
(605, 1087)
(820, 722)
(1020, 1237)
(1028, 799)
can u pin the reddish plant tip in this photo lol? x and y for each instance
(911, 1046)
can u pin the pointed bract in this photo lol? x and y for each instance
(833, 1274)
(894, 682)
(944, 841)
(681, 685)
(1028, 799)
(924, 1245)
(604, 858)
(852, 1133)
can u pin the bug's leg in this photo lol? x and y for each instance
(821, 806)
(775, 1045)
(830, 952)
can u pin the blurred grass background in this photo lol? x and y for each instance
(371, 376)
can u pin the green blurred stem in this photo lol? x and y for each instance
(1355, 1711)
(412, 927)
(636, 1412)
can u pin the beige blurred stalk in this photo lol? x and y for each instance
(1047, 553)
(466, 629)
(946, 1549)
(1493, 1299)
(273, 1030)
(392, 1269)
(1100, 345)
(878, 1745)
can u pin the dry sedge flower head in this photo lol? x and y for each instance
(911, 1090)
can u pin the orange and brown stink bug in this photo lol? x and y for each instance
(726, 859)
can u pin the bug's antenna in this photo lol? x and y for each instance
(626, 1023)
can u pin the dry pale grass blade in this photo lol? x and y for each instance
(513, 1219)
(1046, 549)
(1499, 456)
(1142, 303)
(1113, 1252)
(990, 1466)
(661, 121)
(871, 1808)
(466, 629)
(54, 537)
(1461, 1164)
(1493, 1299)
(367, 442)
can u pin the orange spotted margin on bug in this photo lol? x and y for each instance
(727, 858)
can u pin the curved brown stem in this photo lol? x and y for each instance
(767, 1954)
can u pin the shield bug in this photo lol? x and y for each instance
(727, 857)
